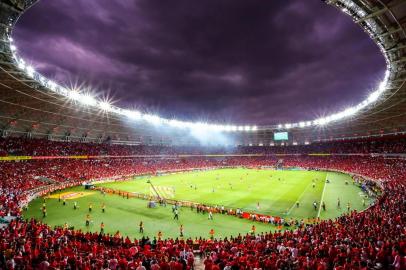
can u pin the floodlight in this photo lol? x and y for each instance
(247, 128)
(13, 48)
(73, 94)
(21, 64)
(302, 124)
(42, 80)
(228, 128)
(51, 85)
(30, 71)
(322, 121)
(87, 100)
(240, 128)
(153, 119)
(254, 128)
(287, 126)
(176, 123)
(132, 114)
(105, 106)
(280, 126)
(234, 128)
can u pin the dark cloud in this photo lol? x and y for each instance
(232, 60)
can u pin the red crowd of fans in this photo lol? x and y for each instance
(371, 239)
(43, 147)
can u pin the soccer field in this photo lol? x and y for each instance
(260, 191)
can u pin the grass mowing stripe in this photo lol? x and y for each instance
(300, 197)
(322, 195)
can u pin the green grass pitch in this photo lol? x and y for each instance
(276, 192)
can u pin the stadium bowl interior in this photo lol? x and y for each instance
(52, 143)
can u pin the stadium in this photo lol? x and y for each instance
(87, 184)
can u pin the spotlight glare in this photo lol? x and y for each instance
(132, 114)
(74, 95)
(153, 119)
(87, 100)
(105, 106)
(21, 65)
(30, 71)
(51, 85)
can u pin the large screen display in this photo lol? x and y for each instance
(280, 136)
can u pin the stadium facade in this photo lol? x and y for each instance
(31, 105)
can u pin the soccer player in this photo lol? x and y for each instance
(75, 205)
(159, 235)
(176, 214)
(210, 215)
(297, 204)
(315, 205)
(90, 207)
(44, 212)
(141, 227)
(348, 206)
(103, 207)
(102, 228)
(211, 233)
(338, 203)
(87, 220)
(253, 229)
(181, 230)
(323, 205)
(64, 202)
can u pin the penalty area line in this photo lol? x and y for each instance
(322, 195)
(298, 199)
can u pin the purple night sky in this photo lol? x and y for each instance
(237, 61)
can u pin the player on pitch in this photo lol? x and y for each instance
(141, 227)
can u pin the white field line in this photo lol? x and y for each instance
(298, 199)
(322, 195)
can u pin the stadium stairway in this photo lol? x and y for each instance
(198, 263)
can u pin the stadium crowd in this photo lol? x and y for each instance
(372, 239)
(42, 147)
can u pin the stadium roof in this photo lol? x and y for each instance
(31, 106)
